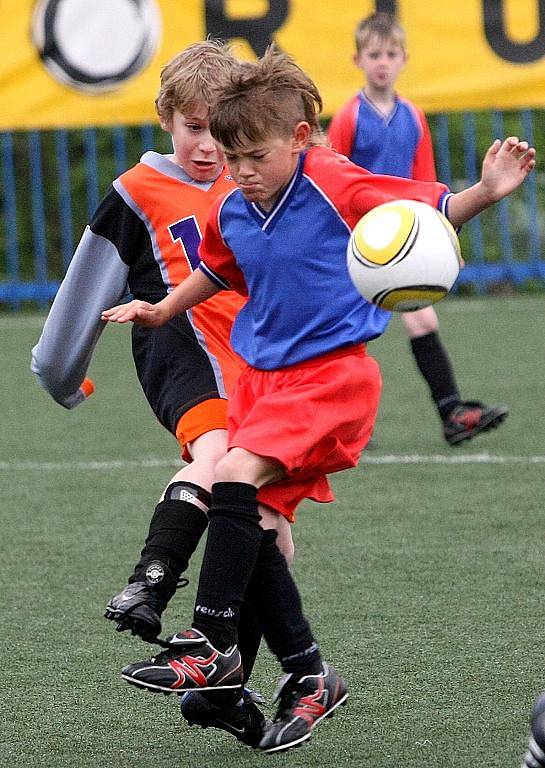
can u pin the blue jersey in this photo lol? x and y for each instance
(291, 261)
(398, 144)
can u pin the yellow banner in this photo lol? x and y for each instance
(67, 63)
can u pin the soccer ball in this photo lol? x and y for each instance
(403, 256)
(95, 45)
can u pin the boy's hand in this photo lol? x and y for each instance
(141, 312)
(505, 167)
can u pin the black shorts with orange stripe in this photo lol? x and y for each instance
(179, 374)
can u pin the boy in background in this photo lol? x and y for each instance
(385, 133)
(144, 239)
(305, 404)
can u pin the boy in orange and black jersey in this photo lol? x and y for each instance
(143, 240)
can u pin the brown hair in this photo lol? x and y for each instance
(191, 78)
(383, 26)
(263, 98)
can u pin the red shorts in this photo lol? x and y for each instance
(314, 418)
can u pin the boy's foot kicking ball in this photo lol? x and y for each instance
(304, 702)
(190, 663)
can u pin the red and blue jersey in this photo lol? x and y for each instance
(398, 144)
(291, 261)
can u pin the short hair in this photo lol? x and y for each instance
(192, 77)
(266, 97)
(383, 26)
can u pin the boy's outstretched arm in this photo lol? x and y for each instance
(194, 289)
(505, 166)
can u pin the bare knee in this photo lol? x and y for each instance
(421, 322)
(242, 466)
(271, 520)
(287, 547)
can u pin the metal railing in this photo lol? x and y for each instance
(52, 181)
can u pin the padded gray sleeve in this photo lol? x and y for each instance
(95, 280)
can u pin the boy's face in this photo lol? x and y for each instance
(262, 170)
(194, 148)
(381, 61)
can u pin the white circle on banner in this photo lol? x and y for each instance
(96, 45)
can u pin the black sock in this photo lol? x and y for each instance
(249, 638)
(435, 366)
(234, 536)
(174, 533)
(274, 597)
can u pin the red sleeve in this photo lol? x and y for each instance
(217, 260)
(354, 191)
(424, 163)
(342, 127)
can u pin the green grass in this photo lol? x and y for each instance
(423, 582)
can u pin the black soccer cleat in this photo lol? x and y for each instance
(304, 702)
(470, 418)
(243, 718)
(137, 609)
(190, 663)
(535, 757)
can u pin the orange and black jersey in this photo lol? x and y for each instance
(154, 215)
(143, 240)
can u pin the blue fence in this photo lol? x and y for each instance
(51, 182)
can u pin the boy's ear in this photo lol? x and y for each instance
(301, 135)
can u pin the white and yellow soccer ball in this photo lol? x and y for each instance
(403, 256)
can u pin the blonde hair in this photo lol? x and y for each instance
(382, 26)
(191, 78)
(265, 98)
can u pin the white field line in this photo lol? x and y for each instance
(153, 463)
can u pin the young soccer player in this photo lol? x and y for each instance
(306, 402)
(144, 239)
(385, 133)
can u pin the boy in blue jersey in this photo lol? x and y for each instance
(385, 133)
(306, 402)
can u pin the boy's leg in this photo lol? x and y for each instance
(462, 420)
(311, 690)
(207, 655)
(176, 528)
(175, 370)
(240, 557)
(233, 544)
(231, 712)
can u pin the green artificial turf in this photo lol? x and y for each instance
(423, 582)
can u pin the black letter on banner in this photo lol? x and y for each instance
(258, 32)
(494, 28)
(386, 6)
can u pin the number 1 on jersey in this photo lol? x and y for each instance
(188, 233)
